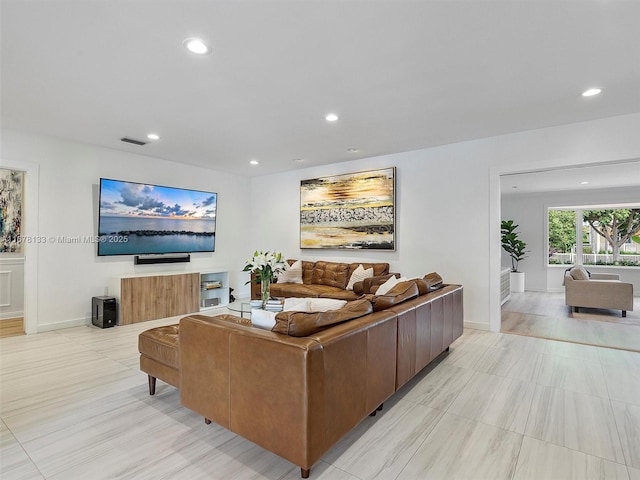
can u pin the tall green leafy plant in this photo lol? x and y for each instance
(512, 244)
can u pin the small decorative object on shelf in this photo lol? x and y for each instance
(266, 265)
(211, 285)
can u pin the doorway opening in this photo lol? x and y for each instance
(11, 252)
(26, 259)
(540, 311)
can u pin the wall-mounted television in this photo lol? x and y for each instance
(144, 219)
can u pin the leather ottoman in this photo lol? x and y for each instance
(160, 355)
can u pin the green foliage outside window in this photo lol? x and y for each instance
(617, 226)
(562, 230)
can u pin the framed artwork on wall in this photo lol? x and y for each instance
(349, 211)
(11, 195)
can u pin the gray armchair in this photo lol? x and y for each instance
(600, 290)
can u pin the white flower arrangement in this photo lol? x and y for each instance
(266, 265)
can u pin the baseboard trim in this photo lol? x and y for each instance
(477, 326)
(78, 322)
(8, 315)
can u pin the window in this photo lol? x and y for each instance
(610, 236)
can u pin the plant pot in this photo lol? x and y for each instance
(516, 281)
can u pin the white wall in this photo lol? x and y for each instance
(448, 199)
(530, 212)
(448, 214)
(427, 238)
(68, 275)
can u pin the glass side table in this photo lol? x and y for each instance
(241, 306)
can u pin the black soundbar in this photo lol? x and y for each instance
(151, 259)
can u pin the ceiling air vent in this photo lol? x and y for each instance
(131, 140)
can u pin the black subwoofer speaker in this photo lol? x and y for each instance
(103, 312)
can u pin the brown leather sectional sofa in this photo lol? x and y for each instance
(298, 395)
(326, 280)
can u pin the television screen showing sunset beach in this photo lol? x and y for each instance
(137, 219)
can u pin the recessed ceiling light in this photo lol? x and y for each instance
(153, 136)
(514, 186)
(298, 160)
(591, 92)
(254, 162)
(331, 117)
(197, 46)
(352, 150)
(584, 183)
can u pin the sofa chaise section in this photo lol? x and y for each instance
(298, 395)
(294, 396)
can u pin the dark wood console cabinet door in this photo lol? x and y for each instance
(449, 312)
(437, 327)
(458, 314)
(160, 296)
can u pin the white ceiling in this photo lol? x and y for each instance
(402, 75)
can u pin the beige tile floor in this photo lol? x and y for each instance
(73, 405)
(545, 315)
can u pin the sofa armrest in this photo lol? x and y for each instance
(599, 294)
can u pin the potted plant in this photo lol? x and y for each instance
(516, 250)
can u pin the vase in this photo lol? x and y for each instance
(265, 283)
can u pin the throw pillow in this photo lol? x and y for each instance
(579, 273)
(292, 274)
(301, 324)
(294, 304)
(358, 275)
(263, 319)
(401, 292)
(389, 284)
(423, 286)
(433, 280)
(325, 304)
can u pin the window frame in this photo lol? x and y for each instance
(581, 242)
